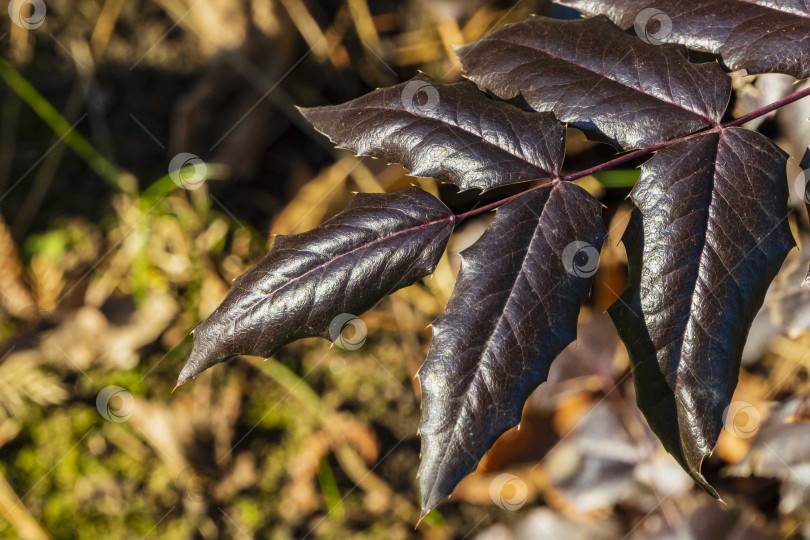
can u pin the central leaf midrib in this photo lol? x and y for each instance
(705, 240)
(495, 327)
(332, 260)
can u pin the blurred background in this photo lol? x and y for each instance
(108, 260)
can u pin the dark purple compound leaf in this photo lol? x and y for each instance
(451, 132)
(309, 282)
(707, 236)
(760, 36)
(513, 309)
(609, 84)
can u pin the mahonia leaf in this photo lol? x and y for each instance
(310, 281)
(708, 234)
(514, 308)
(609, 84)
(451, 132)
(760, 36)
